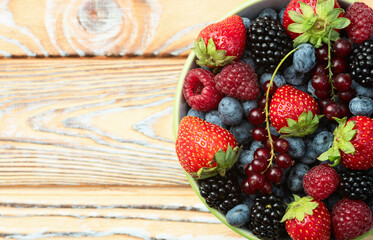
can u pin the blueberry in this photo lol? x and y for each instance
(241, 131)
(196, 113)
(214, 117)
(369, 202)
(268, 12)
(311, 90)
(297, 147)
(279, 80)
(238, 215)
(362, 106)
(362, 91)
(255, 145)
(273, 131)
(248, 106)
(230, 111)
(281, 15)
(247, 59)
(280, 190)
(303, 87)
(247, 22)
(246, 157)
(294, 77)
(322, 142)
(304, 58)
(310, 157)
(295, 179)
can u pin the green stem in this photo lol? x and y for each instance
(330, 68)
(266, 107)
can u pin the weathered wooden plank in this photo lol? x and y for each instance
(107, 213)
(104, 27)
(88, 121)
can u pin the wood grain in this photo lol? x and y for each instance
(107, 213)
(88, 121)
(105, 27)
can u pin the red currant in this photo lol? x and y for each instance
(256, 180)
(247, 187)
(284, 160)
(266, 189)
(342, 47)
(339, 65)
(259, 164)
(342, 82)
(322, 93)
(273, 87)
(281, 145)
(322, 53)
(319, 68)
(267, 142)
(259, 133)
(274, 174)
(262, 102)
(324, 101)
(256, 116)
(249, 170)
(262, 152)
(320, 82)
(332, 110)
(345, 111)
(347, 96)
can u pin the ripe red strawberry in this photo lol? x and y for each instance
(350, 219)
(353, 143)
(312, 20)
(293, 112)
(221, 43)
(199, 90)
(321, 181)
(361, 17)
(205, 149)
(238, 80)
(307, 218)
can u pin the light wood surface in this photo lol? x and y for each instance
(86, 144)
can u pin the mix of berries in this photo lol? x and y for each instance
(279, 132)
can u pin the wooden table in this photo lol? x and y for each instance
(86, 140)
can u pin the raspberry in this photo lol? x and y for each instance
(350, 219)
(321, 181)
(199, 90)
(361, 17)
(238, 80)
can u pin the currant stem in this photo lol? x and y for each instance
(266, 107)
(330, 68)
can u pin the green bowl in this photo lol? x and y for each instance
(250, 9)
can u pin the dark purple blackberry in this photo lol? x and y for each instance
(221, 193)
(361, 64)
(265, 217)
(268, 43)
(356, 185)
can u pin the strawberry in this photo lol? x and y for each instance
(353, 143)
(205, 149)
(221, 43)
(293, 112)
(307, 218)
(321, 181)
(314, 21)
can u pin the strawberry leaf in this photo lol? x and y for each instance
(334, 14)
(296, 28)
(347, 147)
(299, 208)
(329, 6)
(340, 23)
(309, 23)
(296, 17)
(307, 124)
(306, 10)
(305, 37)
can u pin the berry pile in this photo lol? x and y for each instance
(280, 113)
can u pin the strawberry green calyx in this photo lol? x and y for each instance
(343, 135)
(209, 56)
(314, 26)
(307, 124)
(299, 208)
(224, 161)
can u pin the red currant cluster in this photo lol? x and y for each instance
(325, 86)
(261, 173)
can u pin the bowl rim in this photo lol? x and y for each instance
(176, 120)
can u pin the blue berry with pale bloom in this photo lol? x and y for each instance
(239, 215)
(304, 58)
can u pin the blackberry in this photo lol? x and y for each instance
(268, 42)
(221, 193)
(265, 217)
(361, 64)
(356, 185)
